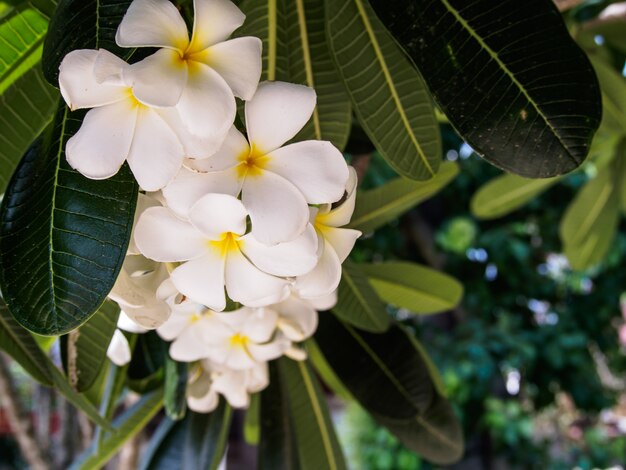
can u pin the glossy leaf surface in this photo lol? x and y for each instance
(507, 75)
(63, 237)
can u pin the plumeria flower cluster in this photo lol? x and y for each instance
(238, 240)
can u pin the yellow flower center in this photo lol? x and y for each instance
(251, 162)
(227, 243)
(239, 340)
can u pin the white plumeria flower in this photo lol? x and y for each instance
(276, 183)
(335, 245)
(120, 127)
(235, 385)
(119, 350)
(201, 76)
(215, 253)
(297, 319)
(247, 340)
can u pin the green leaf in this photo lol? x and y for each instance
(146, 368)
(87, 347)
(413, 287)
(175, 391)
(435, 435)
(277, 446)
(507, 75)
(251, 424)
(22, 32)
(295, 51)
(588, 227)
(196, 442)
(63, 237)
(506, 193)
(22, 347)
(206, 438)
(358, 303)
(127, 425)
(315, 436)
(26, 109)
(377, 207)
(388, 94)
(82, 24)
(613, 86)
(391, 378)
(326, 373)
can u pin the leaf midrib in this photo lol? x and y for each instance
(392, 88)
(319, 416)
(506, 70)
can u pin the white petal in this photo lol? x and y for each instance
(260, 325)
(204, 404)
(214, 21)
(156, 154)
(292, 258)
(315, 167)
(269, 351)
(172, 328)
(143, 202)
(149, 316)
(159, 79)
(188, 346)
(235, 319)
(257, 378)
(252, 287)
(277, 112)
(341, 215)
(103, 141)
(207, 106)
(162, 236)
(239, 62)
(324, 302)
(323, 279)
(125, 323)
(188, 187)
(109, 69)
(296, 354)
(231, 384)
(119, 350)
(298, 319)
(216, 214)
(239, 359)
(342, 240)
(77, 81)
(278, 211)
(155, 23)
(202, 280)
(227, 156)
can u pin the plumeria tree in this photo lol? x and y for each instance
(179, 208)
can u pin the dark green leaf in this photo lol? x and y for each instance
(146, 368)
(507, 75)
(414, 287)
(87, 346)
(82, 24)
(358, 303)
(435, 435)
(165, 450)
(325, 372)
(21, 346)
(63, 237)
(277, 449)
(295, 50)
(251, 425)
(206, 438)
(126, 426)
(26, 109)
(376, 207)
(315, 436)
(175, 397)
(391, 378)
(388, 94)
